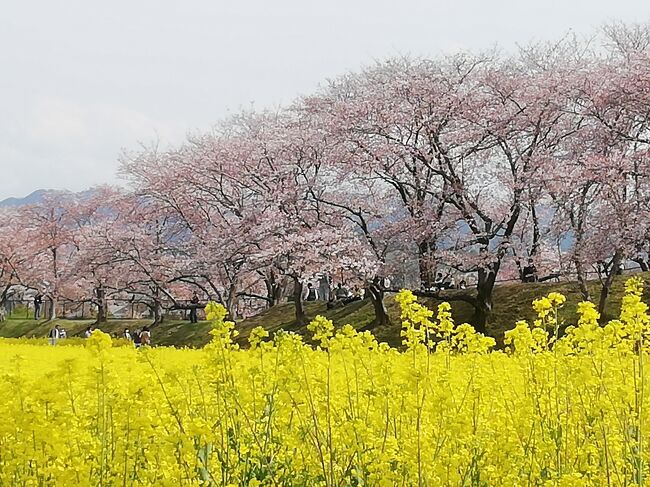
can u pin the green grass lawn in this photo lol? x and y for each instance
(172, 332)
(511, 302)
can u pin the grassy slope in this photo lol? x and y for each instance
(512, 302)
(172, 332)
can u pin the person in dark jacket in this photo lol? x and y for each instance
(312, 293)
(38, 302)
(194, 304)
(529, 272)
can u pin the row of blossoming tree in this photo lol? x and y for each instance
(473, 163)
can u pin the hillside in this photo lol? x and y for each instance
(512, 302)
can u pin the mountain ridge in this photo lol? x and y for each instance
(38, 195)
(32, 198)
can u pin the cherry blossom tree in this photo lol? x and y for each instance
(51, 245)
(602, 190)
(13, 258)
(456, 141)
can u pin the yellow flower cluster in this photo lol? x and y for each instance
(418, 330)
(552, 410)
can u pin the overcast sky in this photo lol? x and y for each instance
(82, 79)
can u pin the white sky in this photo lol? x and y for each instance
(81, 79)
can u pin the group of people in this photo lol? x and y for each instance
(339, 295)
(342, 295)
(139, 338)
(444, 282)
(57, 333)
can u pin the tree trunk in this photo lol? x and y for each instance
(157, 312)
(280, 291)
(274, 289)
(536, 232)
(156, 306)
(102, 313)
(4, 295)
(376, 293)
(51, 312)
(424, 263)
(231, 302)
(301, 318)
(485, 287)
(607, 283)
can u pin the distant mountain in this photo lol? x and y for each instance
(38, 196)
(30, 199)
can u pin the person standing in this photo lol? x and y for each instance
(324, 287)
(194, 304)
(136, 338)
(38, 302)
(54, 335)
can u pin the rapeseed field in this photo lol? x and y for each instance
(446, 410)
